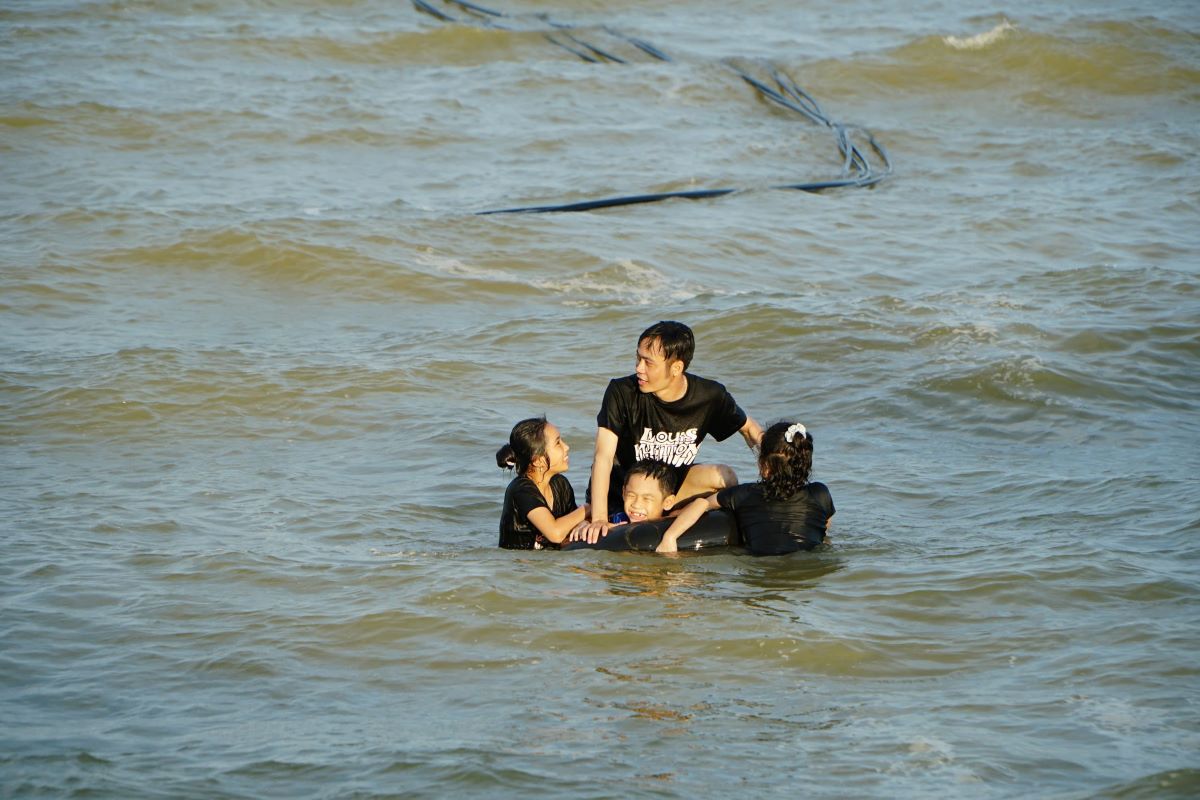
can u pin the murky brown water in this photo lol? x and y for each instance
(256, 352)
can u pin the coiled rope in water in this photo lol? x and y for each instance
(769, 81)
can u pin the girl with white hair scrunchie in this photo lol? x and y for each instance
(782, 512)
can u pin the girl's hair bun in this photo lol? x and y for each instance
(506, 458)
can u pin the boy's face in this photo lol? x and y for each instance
(644, 499)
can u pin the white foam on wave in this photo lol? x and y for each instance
(622, 281)
(627, 282)
(980, 40)
(456, 268)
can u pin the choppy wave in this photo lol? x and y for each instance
(980, 40)
(1177, 783)
(1115, 59)
(625, 282)
(143, 393)
(276, 259)
(460, 46)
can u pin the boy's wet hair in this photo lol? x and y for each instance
(526, 444)
(788, 464)
(675, 339)
(658, 471)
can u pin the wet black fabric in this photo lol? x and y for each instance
(523, 496)
(780, 526)
(647, 427)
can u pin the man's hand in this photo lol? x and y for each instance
(576, 533)
(590, 532)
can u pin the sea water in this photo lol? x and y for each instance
(257, 351)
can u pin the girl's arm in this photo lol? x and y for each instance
(557, 529)
(686, 519)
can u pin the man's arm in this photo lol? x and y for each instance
(602, 461)
(752, 432)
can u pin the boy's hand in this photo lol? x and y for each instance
(667, 546)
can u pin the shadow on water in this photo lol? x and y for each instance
(730, 574)
(783, 577)
(777, 586)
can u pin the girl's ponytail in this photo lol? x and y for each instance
(785, 458)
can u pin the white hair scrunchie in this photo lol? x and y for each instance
(792, 430)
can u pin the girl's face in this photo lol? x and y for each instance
(556, 451)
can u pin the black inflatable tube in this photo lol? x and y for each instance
(714, 529)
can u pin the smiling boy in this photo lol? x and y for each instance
(648, 494)
(662, 412)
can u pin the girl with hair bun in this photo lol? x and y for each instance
(783, 512)
(539, 503)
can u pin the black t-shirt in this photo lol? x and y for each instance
(523, 496)
(780, 526)
(647, 427)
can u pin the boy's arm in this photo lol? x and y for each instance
(752, 432)
(686, 519)
(602, 461)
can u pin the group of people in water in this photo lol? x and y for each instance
(648, 433)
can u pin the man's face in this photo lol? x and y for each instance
(654, 372)
(644, 500)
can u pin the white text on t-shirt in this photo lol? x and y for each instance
(676, 449)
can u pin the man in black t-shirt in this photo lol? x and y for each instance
(662, 412)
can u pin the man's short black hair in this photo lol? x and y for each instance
(674, 338)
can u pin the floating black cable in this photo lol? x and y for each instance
(550, 37)
(856, 167)
(477, 9)
(432, 11)
(594, 49)
(609, 202)
(640, 44)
